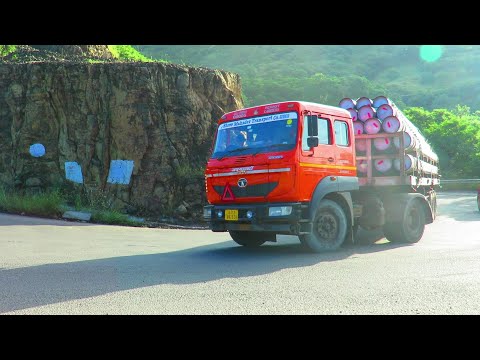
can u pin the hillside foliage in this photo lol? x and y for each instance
(442, 97)
(277, 72)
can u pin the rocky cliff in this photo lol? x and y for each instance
(154, 120)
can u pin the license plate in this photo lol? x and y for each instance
(231, 215)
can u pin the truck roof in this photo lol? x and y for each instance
(332, 110)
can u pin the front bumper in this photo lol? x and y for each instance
(296, 223)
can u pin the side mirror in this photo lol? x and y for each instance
(312, 125)
(312, 142)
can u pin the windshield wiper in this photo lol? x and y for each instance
(231, 152)
(277, 145)
(267, 148)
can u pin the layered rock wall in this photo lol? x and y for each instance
(158, 117)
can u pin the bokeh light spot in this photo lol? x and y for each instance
(430, 53)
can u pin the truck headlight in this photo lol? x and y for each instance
(279, 211)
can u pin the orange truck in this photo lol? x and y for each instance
(291, 168)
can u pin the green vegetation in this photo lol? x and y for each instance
(316, 88)
(455, 137)
(426, 82)
(7, 49)
(48, 204)
(279, 72)
(112, 217)
(52, 204)
(128, 53)
(119, 52)
(459, 187)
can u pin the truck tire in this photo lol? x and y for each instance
(411, 229)
(329, 228)
(248, 239)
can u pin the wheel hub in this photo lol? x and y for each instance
(327, 227)
(412, 221)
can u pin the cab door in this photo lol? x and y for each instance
(317, 162)
(323, 156)
(344, 154)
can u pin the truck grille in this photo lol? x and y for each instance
(249, 191)
(240, 160)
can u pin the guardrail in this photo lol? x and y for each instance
(459, 181)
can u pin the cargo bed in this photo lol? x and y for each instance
(414, 177)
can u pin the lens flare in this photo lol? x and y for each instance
(430, 53)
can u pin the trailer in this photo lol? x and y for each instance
(292, 168)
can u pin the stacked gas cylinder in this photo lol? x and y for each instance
(381, 115)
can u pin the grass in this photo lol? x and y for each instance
(47, 204)
(112, 217)
(52, 204)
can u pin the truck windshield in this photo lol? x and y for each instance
(276, 132)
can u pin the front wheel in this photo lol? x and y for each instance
(249, 239)
(329, 228)
(411, 229)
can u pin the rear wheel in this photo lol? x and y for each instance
(329, 228)
(249, 239)
(411, 229)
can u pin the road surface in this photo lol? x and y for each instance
(58, 267)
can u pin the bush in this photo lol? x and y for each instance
(7, 49)
(127, 52)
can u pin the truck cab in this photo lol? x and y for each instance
(271, 166)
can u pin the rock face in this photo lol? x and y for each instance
(160, 116)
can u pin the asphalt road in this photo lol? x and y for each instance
(57, 267)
